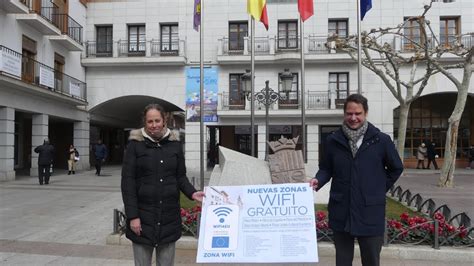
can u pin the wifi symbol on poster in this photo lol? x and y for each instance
(222, 212)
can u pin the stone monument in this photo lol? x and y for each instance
(236, 168)
(286, 164)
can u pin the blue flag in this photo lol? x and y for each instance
(365, 5)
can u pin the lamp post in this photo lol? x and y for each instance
(267, 96)
(246, 81)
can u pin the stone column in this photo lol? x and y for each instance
(147, 48)
(261, 141)
(81, 142)
(115, 49)
(220, 44)
(7, 143)
(271, 45)
(39, 132)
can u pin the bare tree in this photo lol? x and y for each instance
(446, 178)
(397, 58)
(398, 54)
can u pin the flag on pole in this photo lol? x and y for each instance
(365, 5)
(197, 14)
(305, 7)
(258, 10)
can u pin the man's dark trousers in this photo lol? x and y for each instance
(98, 166)
(44, 173)
(370, 247)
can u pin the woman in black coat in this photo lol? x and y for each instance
(153, 174)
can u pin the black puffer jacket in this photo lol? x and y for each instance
(153, 174)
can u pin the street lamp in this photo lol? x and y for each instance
(246, 81)
(267, 96)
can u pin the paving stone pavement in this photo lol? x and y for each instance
(459, 199)
(67, 222)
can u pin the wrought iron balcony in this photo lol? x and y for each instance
(99, 49)
(32, 72)
(131, 48)
(315, 100)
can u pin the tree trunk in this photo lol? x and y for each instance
(402, 128)
(446, 178)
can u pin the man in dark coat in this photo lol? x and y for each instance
(100, 152)
(45, 159)
(363, 164)
(153, 174)
(431, 153)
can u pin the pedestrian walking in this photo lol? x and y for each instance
(471, 157)
(432, 156)
(45, 160)
(153, 174)
(73, 157)
(421, 153)
(363, 164)
(100, 152)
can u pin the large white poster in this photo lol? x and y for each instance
(46, 77)
(10, 62)
(259, 223)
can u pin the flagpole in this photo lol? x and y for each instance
(359, 52)
(303, 114)
(252, 87)
(201, 95)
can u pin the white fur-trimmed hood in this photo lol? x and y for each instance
(137, 135)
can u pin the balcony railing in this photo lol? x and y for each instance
(467, 40)
(262, 45)
(74, 29)
(318, 100)
(33, 72)
(101, 49)
(164, 49)
(230, 104)
(324, 100)
(320, 45)
(63, 22)
(126, 48)
(131, 48)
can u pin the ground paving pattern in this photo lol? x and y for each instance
(67, 222)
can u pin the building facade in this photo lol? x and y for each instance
(147, 48)
(42, 83)
(142, 51)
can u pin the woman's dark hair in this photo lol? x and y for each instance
(357, 98)
(156, 107)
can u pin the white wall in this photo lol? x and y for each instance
(11, 36)
(107, 83)
(169, 82)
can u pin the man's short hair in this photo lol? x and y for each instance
(357, 98)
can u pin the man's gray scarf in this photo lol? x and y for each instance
(354, 135)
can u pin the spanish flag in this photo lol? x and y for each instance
(258, 10)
